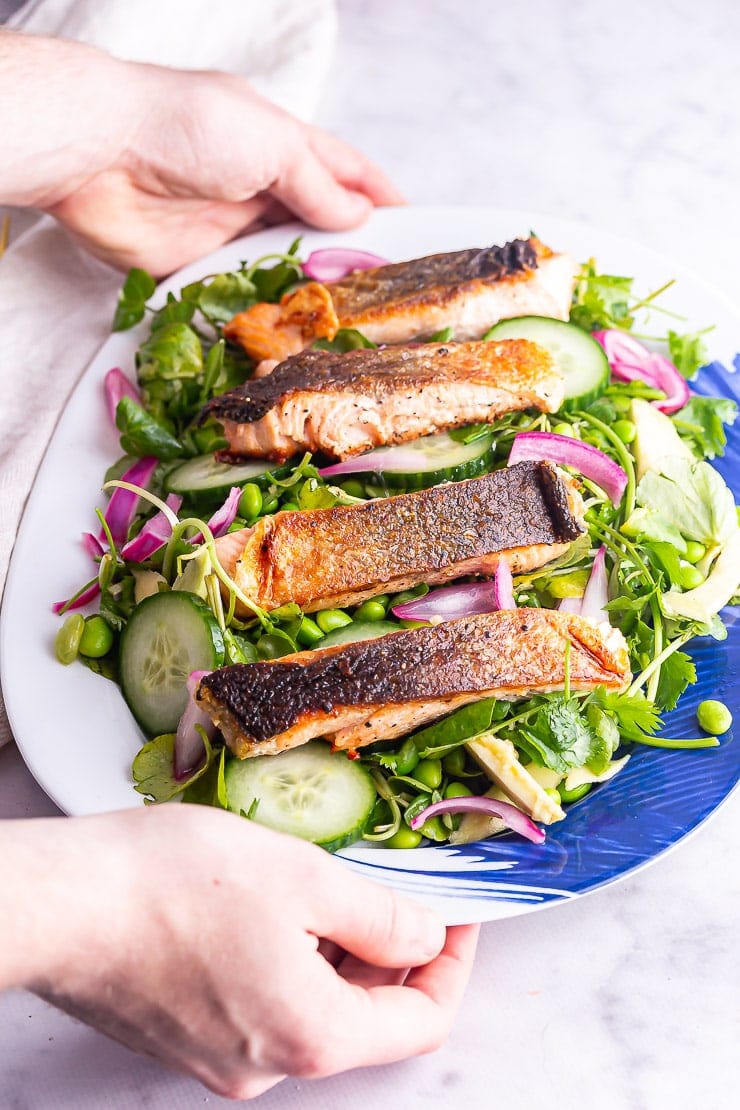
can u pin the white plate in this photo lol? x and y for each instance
(73, 728)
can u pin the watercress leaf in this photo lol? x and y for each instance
(346, 339)
(227, 295)
(153, 769)
(172, 351)
(137, 289)
(174, 312)
(272, 282)
(142, 435)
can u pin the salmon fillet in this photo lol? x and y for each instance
(526, 514)
(468, 291)
(344, 404)
(382, 689)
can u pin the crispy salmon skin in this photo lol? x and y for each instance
(344, 404)
(468, 291)
(382, 689)
(526, 514)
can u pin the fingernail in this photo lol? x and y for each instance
(431, 933)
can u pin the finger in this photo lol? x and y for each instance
(362, 974)
(382, 1023)
(354, 169)
(312, 192)
(371, 921)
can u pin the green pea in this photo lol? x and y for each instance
(329, 619)
(290, 507)
(714, 717)
(429, 771)
(67, 641)
(458, 790)
(404, 838)
(370, 611)
(407, 759)
(454, 762)
(563, 429)
(694, 551)
(434, 829)
(691, 577)
(96, 639)
(568, 796)
(250, 502)
(354, 487)
(309, 632)
(621, 403)
(625, 429)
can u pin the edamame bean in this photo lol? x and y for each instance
(694, 551)
(407, 759)
(433, 829)
(96, 639)
(329, 619)
(269, 503)
(404, 838)
(67, 640)
(250, 502)
(309, 632)
(454, 761)
(568, 796)
(691, 577)
(714, 717)
(429, 771)
(354, 487)
(458, 790)
(371, 610)
(290, 507)
(625, 429)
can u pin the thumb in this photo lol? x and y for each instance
(373, 922)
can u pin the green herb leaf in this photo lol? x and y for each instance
(346, 339)
(601, 300)
(676, 673)
(702, 421)
(561, 737)
(137, 289)
(634, 714)
(153, 768)
(688, 352)
(142, 435)
(455, 729)
(226, 295)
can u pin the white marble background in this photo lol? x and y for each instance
(628, 116)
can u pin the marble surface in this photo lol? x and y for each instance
(628, 118)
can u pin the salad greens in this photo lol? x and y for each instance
(672, 549)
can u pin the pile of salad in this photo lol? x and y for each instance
(660, 558)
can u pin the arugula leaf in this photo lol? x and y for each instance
(601, 300)
(688, 352)
(702, 421)
(142, 435)
(137, 289)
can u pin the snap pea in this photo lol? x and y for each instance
(714, 717)
(568, 796)
(67, 641)
(96, 639)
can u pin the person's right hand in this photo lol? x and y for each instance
(232, 953)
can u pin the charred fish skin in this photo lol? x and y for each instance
(343, 404)
(468, 290)
(526, 514)
(408, 678)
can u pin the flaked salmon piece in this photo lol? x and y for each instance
(526, 514)
(275, 331)
(344, 404)
(468, 291)
(382, 689)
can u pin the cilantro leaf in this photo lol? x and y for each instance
(676, 673)
(688, 352)
(702, 421)
(634, 714)
(561, 737)
(601, 300)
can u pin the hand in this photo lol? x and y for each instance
(232, 953)
(154, 167)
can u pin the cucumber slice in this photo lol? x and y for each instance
(309, 792)
(167, 636)
(578, 357)
(358, 630)
(427, 461)
(205, 478)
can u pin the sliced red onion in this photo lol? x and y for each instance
(491, 807)
(503, 585)
(399, 459)
(450, 602)
(189, 750)
(116, 386)
(334, 263)
(596, 595)
(85, 598)
(630, 361)
(155, 534)
(570, 605)
(584, 458)
(224, 517)
(123, 503)
(92, 545)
